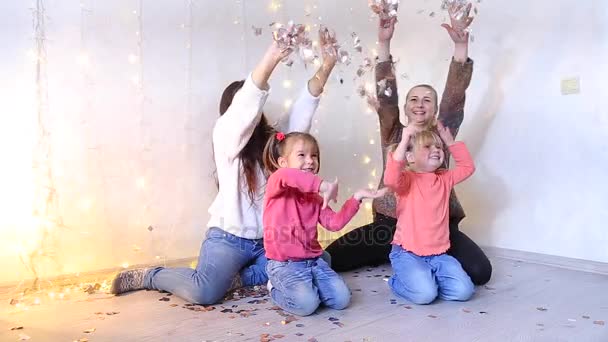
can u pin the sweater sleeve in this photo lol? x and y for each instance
(335, 221)
(394, 178)
(302, 111)
(451, 110)
(285, 178)
(233, 129)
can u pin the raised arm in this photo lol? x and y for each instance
(451, 109)
(304, 108)
(235, 127)
(388, 110)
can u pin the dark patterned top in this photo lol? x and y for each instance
(451, 114)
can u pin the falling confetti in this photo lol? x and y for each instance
(164, 299)
(385, 9)
(431, 316)
(586, 317)
(17, 328)
(599, 322)
(89, 331)
(294, 37)
(540, 308)
(256, 30)
(150, 228)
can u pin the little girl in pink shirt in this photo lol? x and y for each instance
(296, 200)
(422, 269)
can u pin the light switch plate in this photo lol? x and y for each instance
(571, 86)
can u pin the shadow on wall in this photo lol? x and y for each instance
(487, 204)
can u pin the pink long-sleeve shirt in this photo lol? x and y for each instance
(292, 210)
(423, 202)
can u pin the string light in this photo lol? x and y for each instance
(287, 103)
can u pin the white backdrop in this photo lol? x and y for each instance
(133, 90)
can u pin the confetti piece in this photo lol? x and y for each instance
(599, 322)
(173, 305)
(540, 324)
(333, 319)
(586, 317)
(150, 228)
(112, 313)
(571, 320)
(483, 312)
(385, 9)
(431, 316)
(408, 307)
(17, 328)
(540, 308)
(278, 336)
(256, 30)
(466, 310)
(312, 339)
(432, 14)
(300, 325)
(164, 299)
(489, 288)
(23, 337)
(89, 331)
(341, 325)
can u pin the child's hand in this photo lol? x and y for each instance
(368, 193)
(329, 191)
(408, 132)
(460, 20)
(445, 134)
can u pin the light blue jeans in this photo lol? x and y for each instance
(299, 287)
(421, 279)
(222, 256)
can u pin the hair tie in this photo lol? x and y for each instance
(280, 136)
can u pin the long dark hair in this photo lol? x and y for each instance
(252, 154)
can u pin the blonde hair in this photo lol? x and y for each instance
(422, 138)
(276, 148)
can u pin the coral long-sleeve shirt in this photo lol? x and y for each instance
(423, 201)
(292, 210)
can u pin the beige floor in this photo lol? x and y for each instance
(523, 302)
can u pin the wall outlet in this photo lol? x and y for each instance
(571, 86)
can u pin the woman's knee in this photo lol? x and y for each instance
(480, 271)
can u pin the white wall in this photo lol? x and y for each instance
(121, 163)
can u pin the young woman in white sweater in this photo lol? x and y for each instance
(232, 255)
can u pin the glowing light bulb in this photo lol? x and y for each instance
(372, 141)
(373, 173)
(83, 59)
(366, 160)
(287, 103)
(368, 206)
(287, 84)
(36, 301)
(125, 265)
(141, 182)
(133, 58)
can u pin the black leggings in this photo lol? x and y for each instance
(370, 245)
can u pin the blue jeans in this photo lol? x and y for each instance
(421, 279)
(300, 287)
(221, 258)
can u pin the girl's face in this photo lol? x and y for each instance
(420, 106)
(426, 157)
(301, 155)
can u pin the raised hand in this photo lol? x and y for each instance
(445, 134)
(329, 192)
(386, 28)
(460, 20)
(369, 194)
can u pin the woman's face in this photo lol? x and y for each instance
(420, 106)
